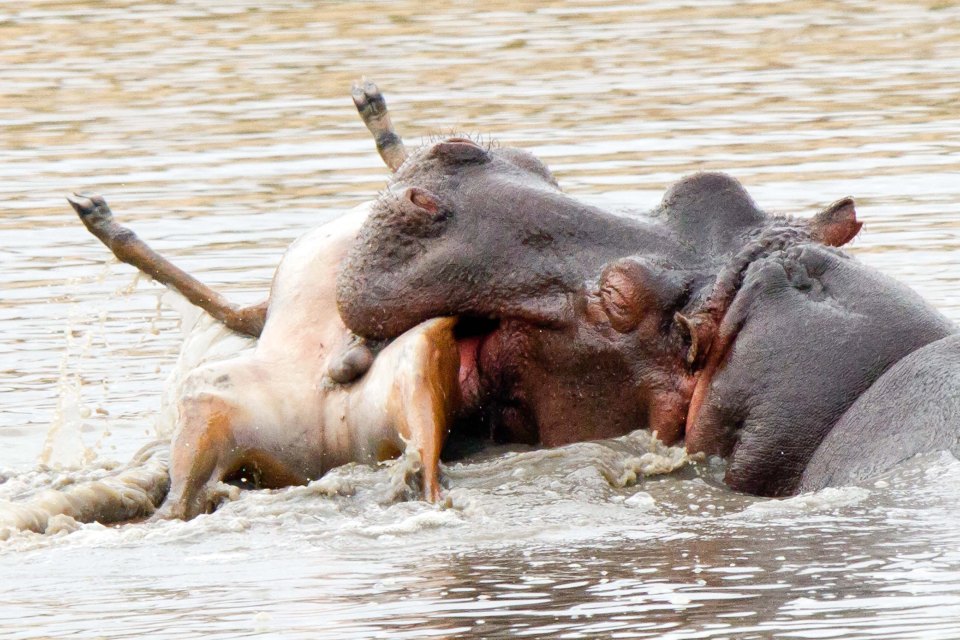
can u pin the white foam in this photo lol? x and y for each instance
(823, 500)
(641, 500)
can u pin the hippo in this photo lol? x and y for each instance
(913, 408)
(808, 333)
(750, 335)
(535, 318)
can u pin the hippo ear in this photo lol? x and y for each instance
(836, 225)
(460, 151)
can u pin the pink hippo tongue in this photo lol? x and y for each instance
(469, 373)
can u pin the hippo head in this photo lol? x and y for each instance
(486, 232)
(487, 235)
(574, 323)
(786, 347)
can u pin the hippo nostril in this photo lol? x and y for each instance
(423, 199)
(419, 212)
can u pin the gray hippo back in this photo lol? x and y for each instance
(913, 408)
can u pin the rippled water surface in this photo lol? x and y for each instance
(223, 130)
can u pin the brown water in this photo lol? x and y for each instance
(223, 130)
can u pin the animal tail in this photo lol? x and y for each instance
(132, 492)
(127, 247)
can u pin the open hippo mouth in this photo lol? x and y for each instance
(574, 323)
(472, 335)
(500, 380)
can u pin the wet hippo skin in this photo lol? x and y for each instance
(814, 329)
(913, 408)
(708, 318)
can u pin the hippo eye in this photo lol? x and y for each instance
(460, 151)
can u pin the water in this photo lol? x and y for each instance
(221, 131)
